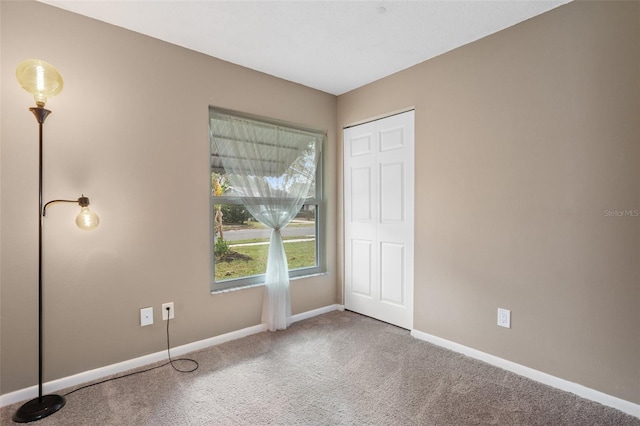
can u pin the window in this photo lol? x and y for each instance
(240, 243)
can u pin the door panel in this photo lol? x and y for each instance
(379, 192)
(362, 265)
(392, 265)
(361, 145)
(392, 192)
(392, 139)
(361, 207)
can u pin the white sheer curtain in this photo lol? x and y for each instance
(271, 168)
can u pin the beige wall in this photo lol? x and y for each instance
(523, 140)
(130, 130)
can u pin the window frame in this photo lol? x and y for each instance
(317, 201)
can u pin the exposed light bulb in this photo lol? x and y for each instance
(39, 78)
(86, 219)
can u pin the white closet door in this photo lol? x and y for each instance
(379, 218)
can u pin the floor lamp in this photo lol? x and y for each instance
(43, 80)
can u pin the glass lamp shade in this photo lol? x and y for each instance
(86, 219)
(39, 78)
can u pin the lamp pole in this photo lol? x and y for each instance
(43, 405)
(41, 115)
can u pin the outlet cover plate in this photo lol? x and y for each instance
(146, 316)
(171, 312)
(504, 318)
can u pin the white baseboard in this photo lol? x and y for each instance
(316, 312)
(102, 372)
(539, 376)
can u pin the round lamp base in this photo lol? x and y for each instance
(39, 408)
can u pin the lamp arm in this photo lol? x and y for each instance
(82, 201)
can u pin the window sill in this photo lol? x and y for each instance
(243, 287)
(230, 289)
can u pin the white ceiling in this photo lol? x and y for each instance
(333, 46)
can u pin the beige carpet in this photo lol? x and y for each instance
(336, 369)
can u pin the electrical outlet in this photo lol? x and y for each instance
(504, 318)
(168, 315)
(146, 316)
